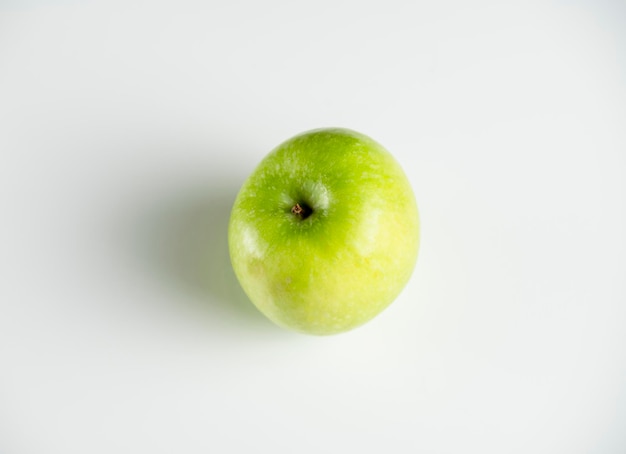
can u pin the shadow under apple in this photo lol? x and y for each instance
(185, 241)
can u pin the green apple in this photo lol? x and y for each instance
(324, 234)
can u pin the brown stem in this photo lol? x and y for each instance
(302, 211)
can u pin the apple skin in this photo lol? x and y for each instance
(347, 255)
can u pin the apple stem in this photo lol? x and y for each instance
(300, 211)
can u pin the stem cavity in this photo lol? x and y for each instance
(301, 211)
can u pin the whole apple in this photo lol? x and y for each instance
(324, 234)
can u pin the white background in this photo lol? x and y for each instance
(126, 129)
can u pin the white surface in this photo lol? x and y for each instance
(126, 129)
